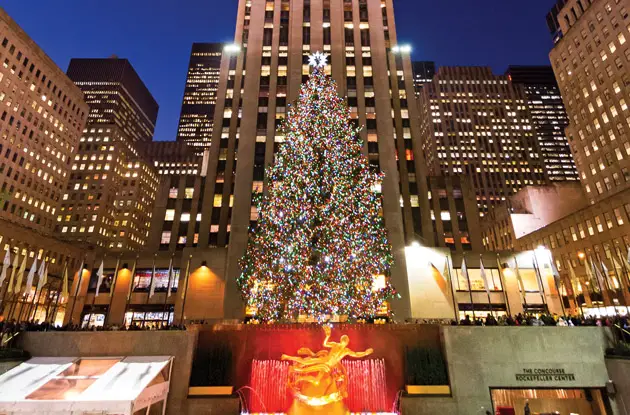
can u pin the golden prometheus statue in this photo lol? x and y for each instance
(318, 380)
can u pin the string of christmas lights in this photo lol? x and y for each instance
(320, 240)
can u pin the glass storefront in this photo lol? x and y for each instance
(149, 315)
(549, 401)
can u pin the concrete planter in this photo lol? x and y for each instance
(198, 391)
(428, 390)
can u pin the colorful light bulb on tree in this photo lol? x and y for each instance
(320, 238)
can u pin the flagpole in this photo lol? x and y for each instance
(607, 283)
(76, 292)
(56, 307)
(558, 281)
(472, 302)
(599, 284)
(450, 279)
(152, 277)
(5, 267)
(168, 290)
(39, 288)
(521, 287)
(502, 279)
(130, 290)
(622, 277)
(485, 283)
(94, 294)
(112, 289)
(621, 285)
(186, 288)
(542, 284)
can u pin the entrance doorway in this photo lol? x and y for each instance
(549, 401)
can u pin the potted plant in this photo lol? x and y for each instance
(425, 371)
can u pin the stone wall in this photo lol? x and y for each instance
(180, 344)
(481, 359)
(619, 371)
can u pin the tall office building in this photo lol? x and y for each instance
(478, 124)
(112, 188)
(592, 66)
(42, 116)
(262, 74)
(423, 72)
(549, 118)
(552, 20)
(200, 95)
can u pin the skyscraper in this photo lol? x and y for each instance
(552, 20)
(200, 95)
(110, 196)
(592, 66)
(478, 124)
(549, 118)
(262, 74)
(42, 116)
(423, 72)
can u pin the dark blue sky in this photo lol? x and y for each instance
(155, 35)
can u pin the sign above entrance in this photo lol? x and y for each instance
(544, 375)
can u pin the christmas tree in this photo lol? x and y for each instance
(320, 247)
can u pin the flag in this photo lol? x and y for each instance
(520, 280)
(5, 266)
(40, 276)
(556, 275)
(114, 279)
(483, 275)
(64, 285)
(170, 274)
(13, 272)
(574, 280)
(590, 275)
(186, 278)
(152, 289)
(606, 274)
(538, 275)
(99, 281)
(30, 277)
(20, 275)
(131, 277)
(465, 272)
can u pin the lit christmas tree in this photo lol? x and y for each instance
(320, 247)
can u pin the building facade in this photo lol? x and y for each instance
(549, 118)
(423, 72)
(593, 71)
(263, 74)
(478, 124)
(200, 95)
(109, 199)
(42, 118)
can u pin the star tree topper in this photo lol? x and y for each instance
(318, 60)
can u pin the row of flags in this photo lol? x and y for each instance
(598, 275)
(16, 278)
(17, 274)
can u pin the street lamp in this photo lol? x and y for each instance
(406, 48)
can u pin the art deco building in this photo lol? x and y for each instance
(549, 118)
(262, 74)
(200, 95)
(479, 124)
(112, 188)
(552, 20)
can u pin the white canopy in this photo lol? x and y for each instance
(72, 385)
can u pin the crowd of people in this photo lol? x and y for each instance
(9, 329)
(545, 320)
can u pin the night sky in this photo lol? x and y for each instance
(156, 35)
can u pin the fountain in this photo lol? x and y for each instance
(319, 382)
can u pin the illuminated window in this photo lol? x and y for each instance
(172, 193)
(185, 217)
(189, 193)
(170, 214)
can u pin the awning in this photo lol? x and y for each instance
(105, 385)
